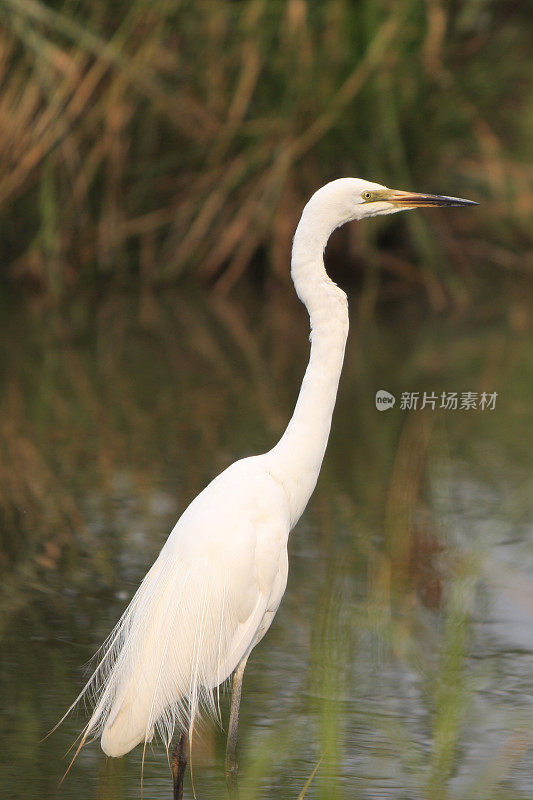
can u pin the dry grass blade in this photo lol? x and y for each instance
(189, 116)
(353, 84)
(125, 151)
(310, 779)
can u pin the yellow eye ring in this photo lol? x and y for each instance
(367, 195)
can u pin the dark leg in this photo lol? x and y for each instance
(179, 765)
(231, 748)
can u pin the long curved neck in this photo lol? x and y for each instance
(297, 457)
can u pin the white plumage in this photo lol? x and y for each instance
(219, 579)
(187, 627)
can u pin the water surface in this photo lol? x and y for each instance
(402, 653)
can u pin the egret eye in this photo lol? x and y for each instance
(367, 195)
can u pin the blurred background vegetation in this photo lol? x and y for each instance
(154, 159)
(163, 139)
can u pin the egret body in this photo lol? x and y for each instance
(216, 585)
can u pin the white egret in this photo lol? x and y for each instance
(216, 585)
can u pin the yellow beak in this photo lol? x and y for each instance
(415, 199)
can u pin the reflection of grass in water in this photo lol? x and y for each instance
(196, 383)
(330, 644)
(72, 419)
(424, 767)
(451, 690)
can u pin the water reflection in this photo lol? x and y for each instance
(403, 650)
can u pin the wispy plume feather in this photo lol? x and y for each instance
(159, 666)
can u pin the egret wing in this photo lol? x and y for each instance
(198, 611)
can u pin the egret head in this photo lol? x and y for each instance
(353, 199)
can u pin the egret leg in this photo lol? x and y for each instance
(179, 765)
(231, 747)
